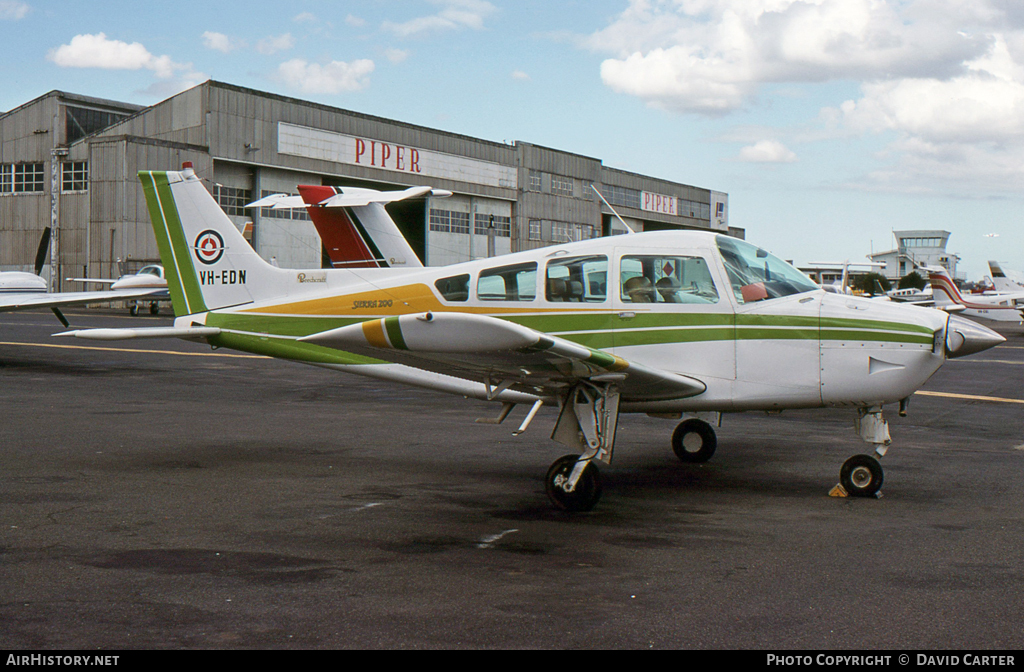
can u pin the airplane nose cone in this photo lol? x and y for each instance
(964, 337)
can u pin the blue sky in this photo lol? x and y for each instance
(829, 122)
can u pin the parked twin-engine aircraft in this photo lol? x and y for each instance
(666, 323)
(150, 277)
(1001, 306)
(21, 291)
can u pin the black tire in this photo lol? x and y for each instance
(133, 309)
(861, 476)
(694, 441)
(154, 308)
(588, 488)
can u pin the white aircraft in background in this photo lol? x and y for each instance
(356, 230)
(675, 324)
(150, 277)
(21, 291)
(1001, 306)
(1005, 280)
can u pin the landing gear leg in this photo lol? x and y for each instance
(862, 475)
(587, 422)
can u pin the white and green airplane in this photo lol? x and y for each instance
(682, 324)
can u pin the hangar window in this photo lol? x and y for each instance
(577, 279)
(483, 222)
(535, 229)
(508, 283)
(561, 185)
(6, 178)
(536, 181)
(81, 121)
(455, 288)
(28, 178)
(446, 221)
(74, 176)
(629, 198)
(232, 200)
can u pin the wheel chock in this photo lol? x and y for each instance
(838, 491)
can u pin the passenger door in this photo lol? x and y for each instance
(671, 313)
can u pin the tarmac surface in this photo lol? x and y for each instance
(157, 494)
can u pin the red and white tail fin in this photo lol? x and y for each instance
(944, 292)
(354, 226)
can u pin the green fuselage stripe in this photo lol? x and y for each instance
(182, 281)
(395, 333)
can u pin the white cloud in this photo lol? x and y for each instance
(304, 17)
(355, 21)
(712, 56)
(519, 74)
(767, 151)
(331, 78)
(453, 14)
(96, 51)
(942, 81)
(221, 42)
(272, 45)
(11, 10)
(396, 55)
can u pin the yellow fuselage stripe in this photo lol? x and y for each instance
(374, 333)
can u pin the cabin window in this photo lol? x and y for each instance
(756, 275)
(577, 279)
(508, 283)
(666, 279)
(455, 288)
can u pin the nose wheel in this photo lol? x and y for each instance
(861, 476)
(694, 441)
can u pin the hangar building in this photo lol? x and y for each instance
(69, 162)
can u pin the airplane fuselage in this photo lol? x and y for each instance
(801, 350)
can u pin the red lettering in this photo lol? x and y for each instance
(360, 148)
(373, 153)
(400, 158)
(414, 161)
(385, 154)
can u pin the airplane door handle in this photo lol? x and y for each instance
(627, 315)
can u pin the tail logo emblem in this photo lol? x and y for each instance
(209, 247)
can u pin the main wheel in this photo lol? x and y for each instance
(588, 488)
(694, 441)
(154, 308)
(861, 476)
(133, 309)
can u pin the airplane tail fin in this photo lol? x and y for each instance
(207, 262)
(356, 229)
(944, 292)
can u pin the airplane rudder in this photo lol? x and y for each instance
(186, 298)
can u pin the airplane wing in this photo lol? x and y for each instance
(502, 354)
(27, 300)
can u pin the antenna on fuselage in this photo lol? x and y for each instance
(628, 227)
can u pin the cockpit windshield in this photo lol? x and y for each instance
(756, 275)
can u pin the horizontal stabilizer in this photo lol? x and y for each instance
(151, 332)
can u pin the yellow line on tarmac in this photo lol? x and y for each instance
(156, 352)
(975, 397)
